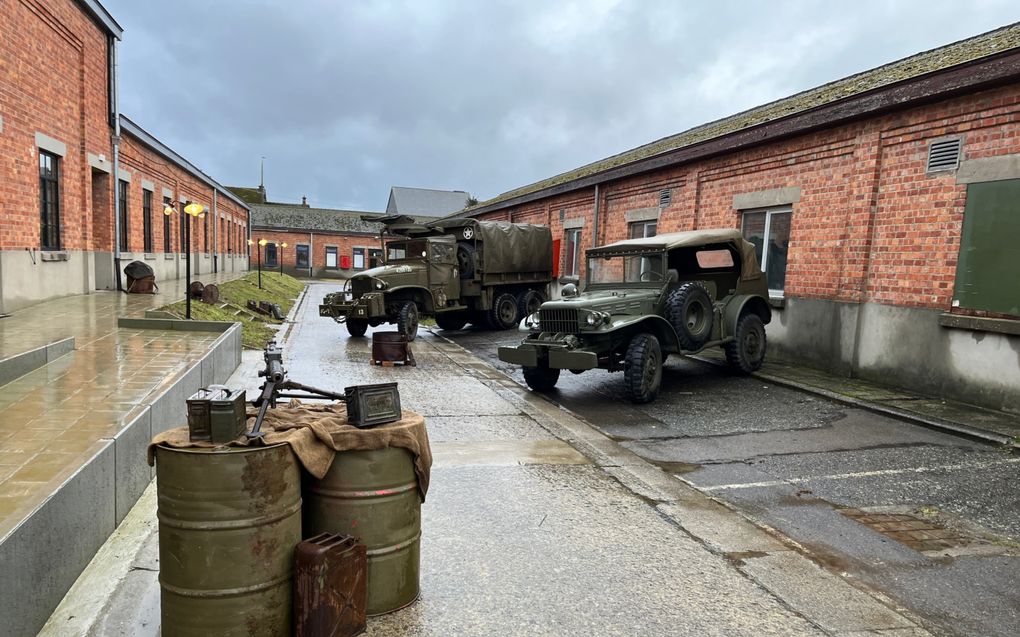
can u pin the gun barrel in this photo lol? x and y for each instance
(274, 372)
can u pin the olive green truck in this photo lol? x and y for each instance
(457, 270)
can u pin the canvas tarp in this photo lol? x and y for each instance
(515, 247)
(749, 269)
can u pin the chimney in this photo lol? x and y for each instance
(304, 201)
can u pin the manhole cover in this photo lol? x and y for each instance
(923, 533)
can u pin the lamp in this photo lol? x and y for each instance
(192, 210)
(282, 246)
(261, 243)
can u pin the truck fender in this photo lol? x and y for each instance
(422, 296)
(653, 324)
(740, 304)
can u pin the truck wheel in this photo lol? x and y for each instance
(528, 303)
(746, 352)
(407, 320)
(689, 311)
(357, 327)
(466, 260)
(503, 314)
(643, 373)
(541, 378)
(451, 320)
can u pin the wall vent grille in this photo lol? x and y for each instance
(665, 197)
(944, 155)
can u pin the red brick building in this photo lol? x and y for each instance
(62, 163)
(321, 242)
(886, 208)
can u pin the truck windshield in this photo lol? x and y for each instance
(618, 268)
(405, 251)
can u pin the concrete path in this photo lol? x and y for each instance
(535, 524)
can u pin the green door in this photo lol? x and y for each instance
(986, 274)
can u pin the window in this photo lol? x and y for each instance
(986, 270)
(271, 254)
(374, 258)
(642, 229)
(184, 228)
(359, 258)
(301, 256)
(122, 195)
(205, 234)
(331, 257)
(147, 219)
(571, 251)
(49, 201)
(769, 231)
(166, 226)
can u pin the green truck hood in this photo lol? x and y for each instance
(613, 301)
(396, 274)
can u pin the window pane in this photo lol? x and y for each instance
(330, 257)
(302, 256)
(359, 258)
(778, 245)
(754, 231)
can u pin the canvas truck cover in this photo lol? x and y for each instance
(515, 247)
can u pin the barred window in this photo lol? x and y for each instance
(49, 201)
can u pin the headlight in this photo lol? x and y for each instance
(380, 285)
(595, 318)
(531, 322)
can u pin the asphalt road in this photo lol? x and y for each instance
(860, 492)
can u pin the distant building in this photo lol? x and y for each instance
(321, 242)
(422, 201)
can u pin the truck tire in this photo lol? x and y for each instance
(528, 303)
(466, 260)
(503, 314)
(746, 352)
(357, 327)
(451, 320)
(689, 310)
(643, 372)
(541, 378)
(407, 320)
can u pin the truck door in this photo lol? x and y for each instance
(444, 279)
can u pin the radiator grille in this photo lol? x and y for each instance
(361, 285)
(558, 320)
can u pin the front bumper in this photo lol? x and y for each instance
(528, 355)
(366, 307)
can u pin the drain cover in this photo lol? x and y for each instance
(922, 535)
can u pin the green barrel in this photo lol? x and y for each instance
(228, 523)
(373, 495)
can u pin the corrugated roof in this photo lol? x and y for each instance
(423, 201)
(962, 52)
(298, 217)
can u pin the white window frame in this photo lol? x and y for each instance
(644, 228)
(572, 262)
(332, 251)
(358, 251)
(773, 293)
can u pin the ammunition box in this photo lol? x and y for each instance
(369, 405)
(216, 414)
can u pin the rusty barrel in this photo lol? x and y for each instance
(373, 495)
(229, 520)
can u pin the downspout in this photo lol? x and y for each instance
(595, 222)
(116, 168)
(215, 232)
(311, 254)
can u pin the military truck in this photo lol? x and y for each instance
(457, 270)
(645, 299)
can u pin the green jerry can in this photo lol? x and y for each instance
(373, 495)
(229, 520)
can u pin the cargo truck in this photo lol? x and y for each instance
(458, 270)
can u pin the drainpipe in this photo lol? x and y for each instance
(311, 254)
(215, 232)
(116, 167)
(595, 223)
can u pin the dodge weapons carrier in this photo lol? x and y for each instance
(645, 299)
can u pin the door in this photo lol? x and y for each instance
(444, 280)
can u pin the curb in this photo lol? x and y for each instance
(930, 422)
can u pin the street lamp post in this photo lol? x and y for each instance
(260, 242)
(282, 246)
(192, 210)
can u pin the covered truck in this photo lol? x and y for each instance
(457, 270)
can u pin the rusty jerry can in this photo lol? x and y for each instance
(373, 495)
(329, 586)
(229, 520)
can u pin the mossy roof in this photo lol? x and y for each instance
(249, 195)
(964, 51)
(298, 217)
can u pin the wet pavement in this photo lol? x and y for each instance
(818, 471)
(55, 416)
(535, 524)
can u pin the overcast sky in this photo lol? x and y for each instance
(345, 99)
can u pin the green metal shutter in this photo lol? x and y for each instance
(988, 272)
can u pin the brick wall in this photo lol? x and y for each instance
(870, 224)
(319, 241)
(53, 80)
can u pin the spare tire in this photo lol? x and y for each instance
(466, 260)
(689, 310)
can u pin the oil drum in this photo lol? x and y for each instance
(373, 495)
(229, 520)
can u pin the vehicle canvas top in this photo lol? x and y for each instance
(506, 247)
(749, 270)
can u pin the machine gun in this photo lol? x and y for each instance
(276, 382)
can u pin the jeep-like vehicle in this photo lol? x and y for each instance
(457, 270)
(645, 299)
